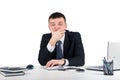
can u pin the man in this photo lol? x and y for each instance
(72, 47)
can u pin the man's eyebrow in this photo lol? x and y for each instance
(61, 22)
(51, 22)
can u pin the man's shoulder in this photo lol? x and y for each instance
(72, 33)
(46, 35)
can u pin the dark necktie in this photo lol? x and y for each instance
(59, 54)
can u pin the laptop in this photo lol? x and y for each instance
(113, 53)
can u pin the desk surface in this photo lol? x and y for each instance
(38, 73)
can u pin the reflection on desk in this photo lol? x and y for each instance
(39, 73)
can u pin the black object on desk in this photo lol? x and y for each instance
(107, 67)
(71, 68)
(80, 70)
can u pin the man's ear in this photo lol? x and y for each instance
(66, 25)
(49, 27)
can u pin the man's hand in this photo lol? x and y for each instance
(56, 35)
(54, 62)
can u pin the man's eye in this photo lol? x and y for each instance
(52, 24)
(60, 24)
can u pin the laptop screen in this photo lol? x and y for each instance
(114, 54)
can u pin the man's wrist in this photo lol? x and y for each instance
(52, 42)
(64, 61)
(50, 47)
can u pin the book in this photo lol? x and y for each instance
(7, 73)
(12, 71)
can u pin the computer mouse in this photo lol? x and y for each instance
(80, 70)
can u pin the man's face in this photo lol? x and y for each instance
(57, 24)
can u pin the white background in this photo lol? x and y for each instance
(22, 23)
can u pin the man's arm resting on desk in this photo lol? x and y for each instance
(56, 62)
(51, 49)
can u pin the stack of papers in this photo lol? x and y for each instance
(12, 71)
(62, 68)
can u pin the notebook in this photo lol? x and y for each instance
(113, 53)
(12, 71)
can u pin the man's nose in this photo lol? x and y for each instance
(56, 27)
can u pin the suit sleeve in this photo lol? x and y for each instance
(78, 51)
(44, 54)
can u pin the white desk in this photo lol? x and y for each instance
(38, 73)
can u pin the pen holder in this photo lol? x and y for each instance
(108, 67)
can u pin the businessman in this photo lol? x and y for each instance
(72, 50)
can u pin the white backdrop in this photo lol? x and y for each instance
(22, 23)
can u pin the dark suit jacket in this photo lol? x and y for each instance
(73, 49)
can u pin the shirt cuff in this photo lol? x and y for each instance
(66, 62)
(50, 48)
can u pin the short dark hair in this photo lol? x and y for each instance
(56, 15)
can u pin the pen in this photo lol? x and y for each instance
(105, 67)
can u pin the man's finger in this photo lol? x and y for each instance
(51, 29)
(48, 64)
